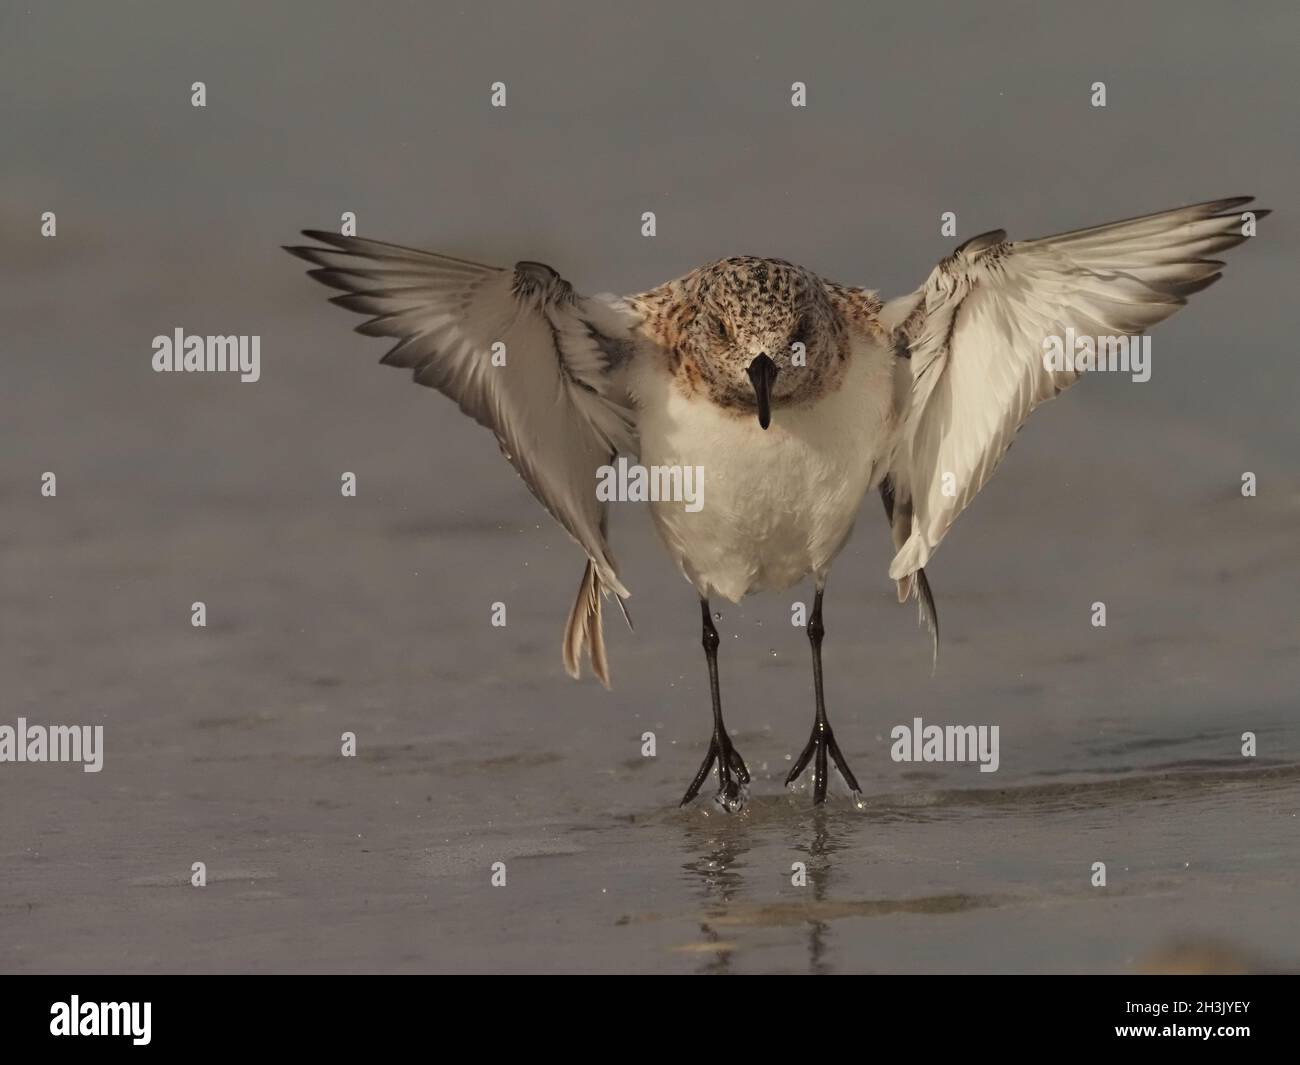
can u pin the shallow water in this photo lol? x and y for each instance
(222, 746)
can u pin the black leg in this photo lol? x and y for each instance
(822, 741)
(732, 773)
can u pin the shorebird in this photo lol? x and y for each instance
(796, 395)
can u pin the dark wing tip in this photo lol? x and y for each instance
(302, 252)
(1228, 203)
(929, 615)
(325, 237)
(359, 302)
(981, 241)
(1233, 205)
(1190, 288)
(333, 278)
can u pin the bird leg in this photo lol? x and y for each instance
(732, 772)
(822, 741)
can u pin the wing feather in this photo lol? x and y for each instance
(975, 333)
(553, 406)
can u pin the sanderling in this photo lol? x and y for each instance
(795, 395)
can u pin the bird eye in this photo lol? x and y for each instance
(720, 327)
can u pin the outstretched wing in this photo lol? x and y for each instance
(976, 334)
(518, 350)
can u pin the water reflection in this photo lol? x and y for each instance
(828, 836)
(718, 843)
(720, 865)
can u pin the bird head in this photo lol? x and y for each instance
(764, 335)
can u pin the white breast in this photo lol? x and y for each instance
(778, 504)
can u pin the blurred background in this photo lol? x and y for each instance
(371, 615)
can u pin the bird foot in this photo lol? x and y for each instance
(822, 744)
(733, 774)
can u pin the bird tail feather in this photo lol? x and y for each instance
(584, 628)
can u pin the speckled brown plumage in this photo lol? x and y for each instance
(716, 320)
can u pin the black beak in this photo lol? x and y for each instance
(762, 372)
